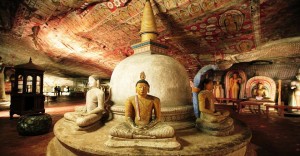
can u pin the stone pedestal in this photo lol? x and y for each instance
(163, 144)
(193, 142)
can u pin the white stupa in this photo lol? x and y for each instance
(168, 79)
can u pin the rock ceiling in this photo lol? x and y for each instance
(83, 37)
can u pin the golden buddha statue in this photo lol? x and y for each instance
(260, 93)
(218, 90)
(139, 116)
(88, 115)
(211, 121)
(234, 86)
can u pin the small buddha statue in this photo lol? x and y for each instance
(143, 121)
(211, 121)
(234, 86)
(218, 90)
(93, 111)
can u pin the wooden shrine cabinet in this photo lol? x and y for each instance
(27, 90)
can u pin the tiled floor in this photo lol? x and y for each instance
(271, 136)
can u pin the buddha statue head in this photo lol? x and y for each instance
(207, 84)
(235, 75)
(93, 81)
(260, 85)
(142, 86)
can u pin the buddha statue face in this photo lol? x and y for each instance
(209, 85)
(142, 89)
(92, 82)
(260, 86)
(234, 76)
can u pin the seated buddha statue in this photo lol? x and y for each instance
(143, 121)
(140, 120)
(93, 110)
(260, 93)
(211, 121)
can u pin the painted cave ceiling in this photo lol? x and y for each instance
(83, 37)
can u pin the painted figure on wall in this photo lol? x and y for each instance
(206, 5)
(231, 21)
(244, 45)
(295, 85)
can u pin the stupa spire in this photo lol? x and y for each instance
(148, 26)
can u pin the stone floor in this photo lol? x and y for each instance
(271, 136)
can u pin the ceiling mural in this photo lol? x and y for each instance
(98, 34)
(278, 19)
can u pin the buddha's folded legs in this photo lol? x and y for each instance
(212, 118)
(215, 118)
(123, 130)
(71, 116)
(82, 120)
(162, 130)
(88, 119)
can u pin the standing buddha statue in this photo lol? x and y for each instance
(295, 85)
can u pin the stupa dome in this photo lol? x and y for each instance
(168, 79)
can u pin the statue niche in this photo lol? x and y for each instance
(235, 84)
(143, 126)
(218, 90)
(261, 88)
(260, 92)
